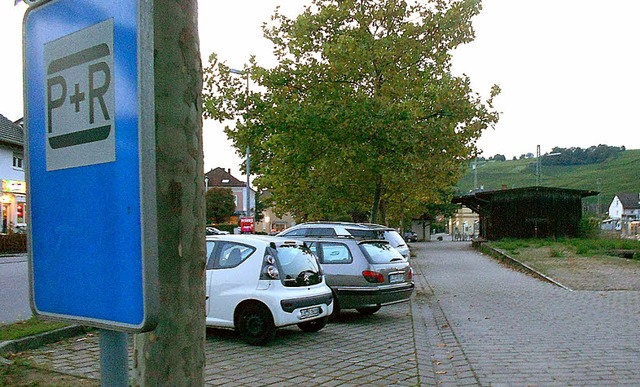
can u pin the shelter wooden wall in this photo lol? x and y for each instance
(531, 212)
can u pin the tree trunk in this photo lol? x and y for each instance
(173, 354)
(375, 206)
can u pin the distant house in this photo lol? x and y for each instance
(222, 178)
(624, 211)
(464, 224)
(13, 198)
(270, 222)
(529, 212)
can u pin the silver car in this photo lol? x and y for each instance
(347, 229)
(363, 274)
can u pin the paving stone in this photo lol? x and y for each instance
(470, 322)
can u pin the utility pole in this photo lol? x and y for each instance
(248, 183)
(173, 353)
(599, 184)
(538, 166)
(475, 174)
(248, 153)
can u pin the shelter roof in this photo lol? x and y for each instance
(475, 199)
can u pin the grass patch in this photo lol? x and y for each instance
(30, 327)
(556, 253)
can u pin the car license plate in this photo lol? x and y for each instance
(395, 278)
(309, 312)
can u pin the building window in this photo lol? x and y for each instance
(17, 160)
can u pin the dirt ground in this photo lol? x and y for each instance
(600, 273)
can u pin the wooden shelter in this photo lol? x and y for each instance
(530, 212)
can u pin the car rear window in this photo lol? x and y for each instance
(365, 234)
(293, 233)
(298, 266)
(380, 252)
(321, 232)
(394, 238)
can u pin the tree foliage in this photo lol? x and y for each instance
(220, 204)
(579, 156)
(361, 113)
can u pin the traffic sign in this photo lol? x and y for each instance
(90, 145)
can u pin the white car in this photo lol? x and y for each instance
(347, 229)
(256, 284)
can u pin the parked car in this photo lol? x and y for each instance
(256, 284)
(363, 274)
(347, 229)
(214, 231)
(410, 236)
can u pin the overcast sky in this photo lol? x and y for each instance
(568, 69)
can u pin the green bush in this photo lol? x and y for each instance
(588, 228)
(13, 243)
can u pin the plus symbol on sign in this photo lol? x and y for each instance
(77, 97)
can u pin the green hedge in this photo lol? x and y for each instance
(13, 243)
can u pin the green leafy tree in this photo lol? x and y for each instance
(361, 114)
(220, 204)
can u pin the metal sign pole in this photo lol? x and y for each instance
(114, 359)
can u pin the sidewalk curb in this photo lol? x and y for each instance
(514, 263)
(39, 340)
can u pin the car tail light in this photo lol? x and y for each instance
(269, 268)
(410, 274)
(373, 276)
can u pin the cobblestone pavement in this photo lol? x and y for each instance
(515, 330)
(470, 322)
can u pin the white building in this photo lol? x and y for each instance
(624, 210)
(13, 198)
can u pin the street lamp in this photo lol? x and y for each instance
(248, 154)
